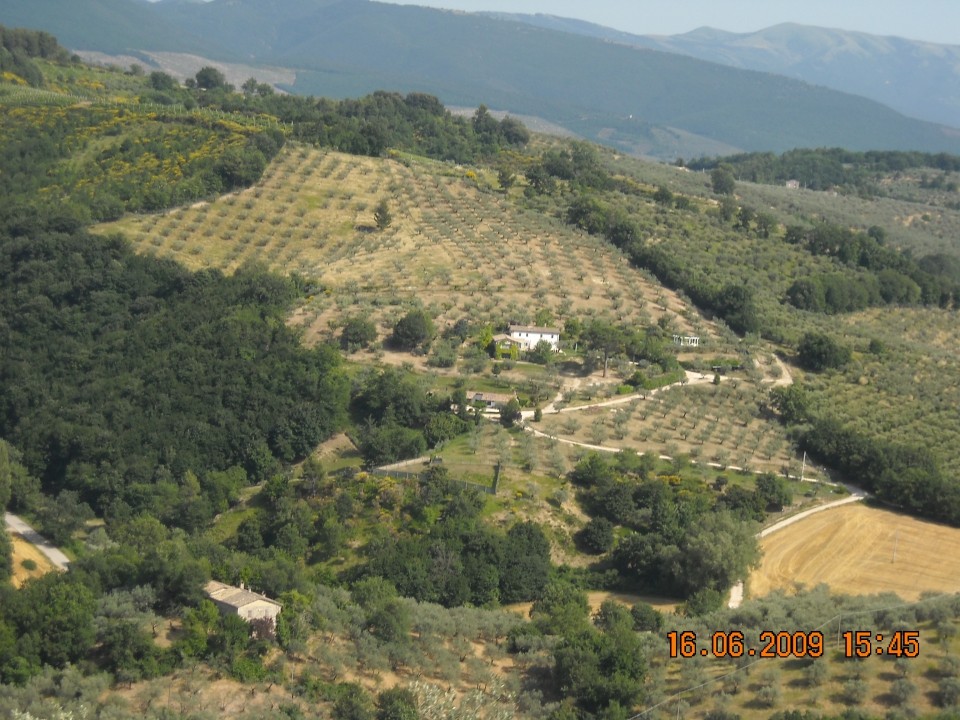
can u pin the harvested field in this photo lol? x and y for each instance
(22, 550)
(861, 550)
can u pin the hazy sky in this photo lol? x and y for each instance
(933, 20)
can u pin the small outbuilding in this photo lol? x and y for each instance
(490, 400)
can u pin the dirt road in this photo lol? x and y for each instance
(856, 495)
(53, 554)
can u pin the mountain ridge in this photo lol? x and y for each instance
(640, 100)
(917, 78)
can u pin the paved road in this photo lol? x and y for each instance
(53, 554)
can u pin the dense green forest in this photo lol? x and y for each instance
(122, 373)
(18, 47)
(682, 539)
(823, 169)
(152, 397)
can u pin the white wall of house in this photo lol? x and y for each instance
(529, 337)
(259, 609)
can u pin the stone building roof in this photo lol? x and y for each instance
(235, 597)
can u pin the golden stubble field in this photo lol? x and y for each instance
(455, 244)
(861, 550)
(22, 550)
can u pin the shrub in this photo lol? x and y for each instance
(855, 691)
(510, 413)
(382, 216)
(413, 330)
(357, 333)
(703, 601)
(444, 355)
(646, 618)
(596, 537)
(818, 352)
(773, 491)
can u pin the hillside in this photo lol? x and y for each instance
(454, 245)
(491, 261)
(641, 101)
(111, 26)
(259, 366)
(918, 79)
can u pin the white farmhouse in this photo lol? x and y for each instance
(528, 337)
(687, 340)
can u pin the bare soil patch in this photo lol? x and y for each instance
(335, 446)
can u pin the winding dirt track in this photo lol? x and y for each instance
(55, 555)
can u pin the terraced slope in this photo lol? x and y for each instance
(454, 244)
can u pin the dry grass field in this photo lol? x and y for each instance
(851, 549)
(596, 598)
(455, 244)
(22, 550)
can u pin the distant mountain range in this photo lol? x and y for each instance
(641, 100)
(918, 79)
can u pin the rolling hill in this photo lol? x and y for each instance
(918, 79)
(151, 346)
(110, 26)
(641, 101)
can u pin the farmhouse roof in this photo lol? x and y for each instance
(534, 329)
(236, 597)
(483, 396)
